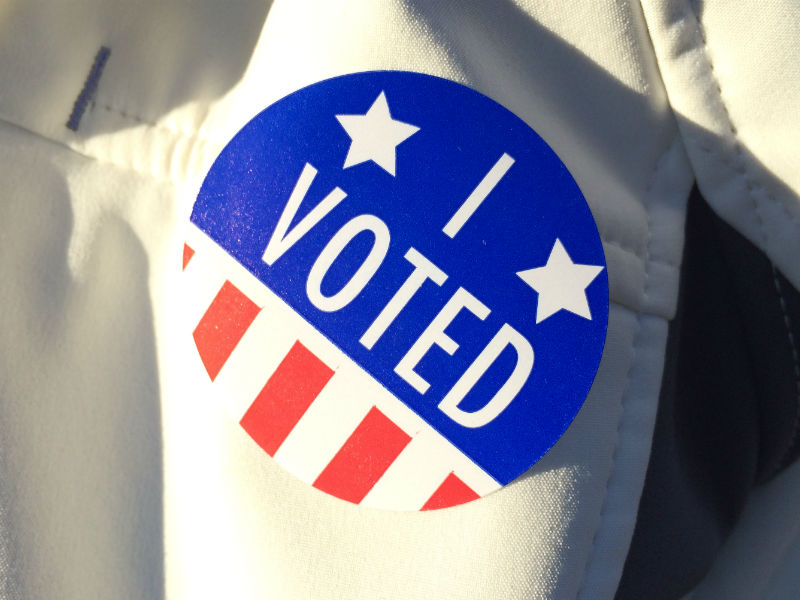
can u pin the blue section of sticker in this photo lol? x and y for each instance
(433, 237)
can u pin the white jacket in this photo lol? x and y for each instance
(116, 481)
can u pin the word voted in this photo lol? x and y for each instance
(283, 238)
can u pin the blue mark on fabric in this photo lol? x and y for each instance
(89, 88)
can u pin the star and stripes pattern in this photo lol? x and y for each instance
(292, 391)
(340, 240)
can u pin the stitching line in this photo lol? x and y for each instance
(153, 125)
(751, 186)
(750, 183)
(89, 88)
(796, 368)
(634, 365)
(630, 250)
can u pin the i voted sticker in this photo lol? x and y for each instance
(397, 289)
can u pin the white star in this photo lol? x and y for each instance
(375, 135)
(561, 284)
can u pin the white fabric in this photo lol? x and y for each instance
(117, 480)
(731, 71)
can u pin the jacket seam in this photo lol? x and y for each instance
(795, 431)
(629, 250)
(632, 368)
(750, 183)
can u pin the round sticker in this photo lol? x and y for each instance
(397, 289)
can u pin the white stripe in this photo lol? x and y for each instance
(413, 477)
(323, 429)
(441, 452)
(201, 282)
(478, 195)
(470, 473)
(255, 358)
(217, 263)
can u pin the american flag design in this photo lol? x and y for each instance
(396, 288)
(292, 391)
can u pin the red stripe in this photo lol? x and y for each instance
(223, 325)
(188, 253)
(288, 393)
(452, 492)
(364, 458)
